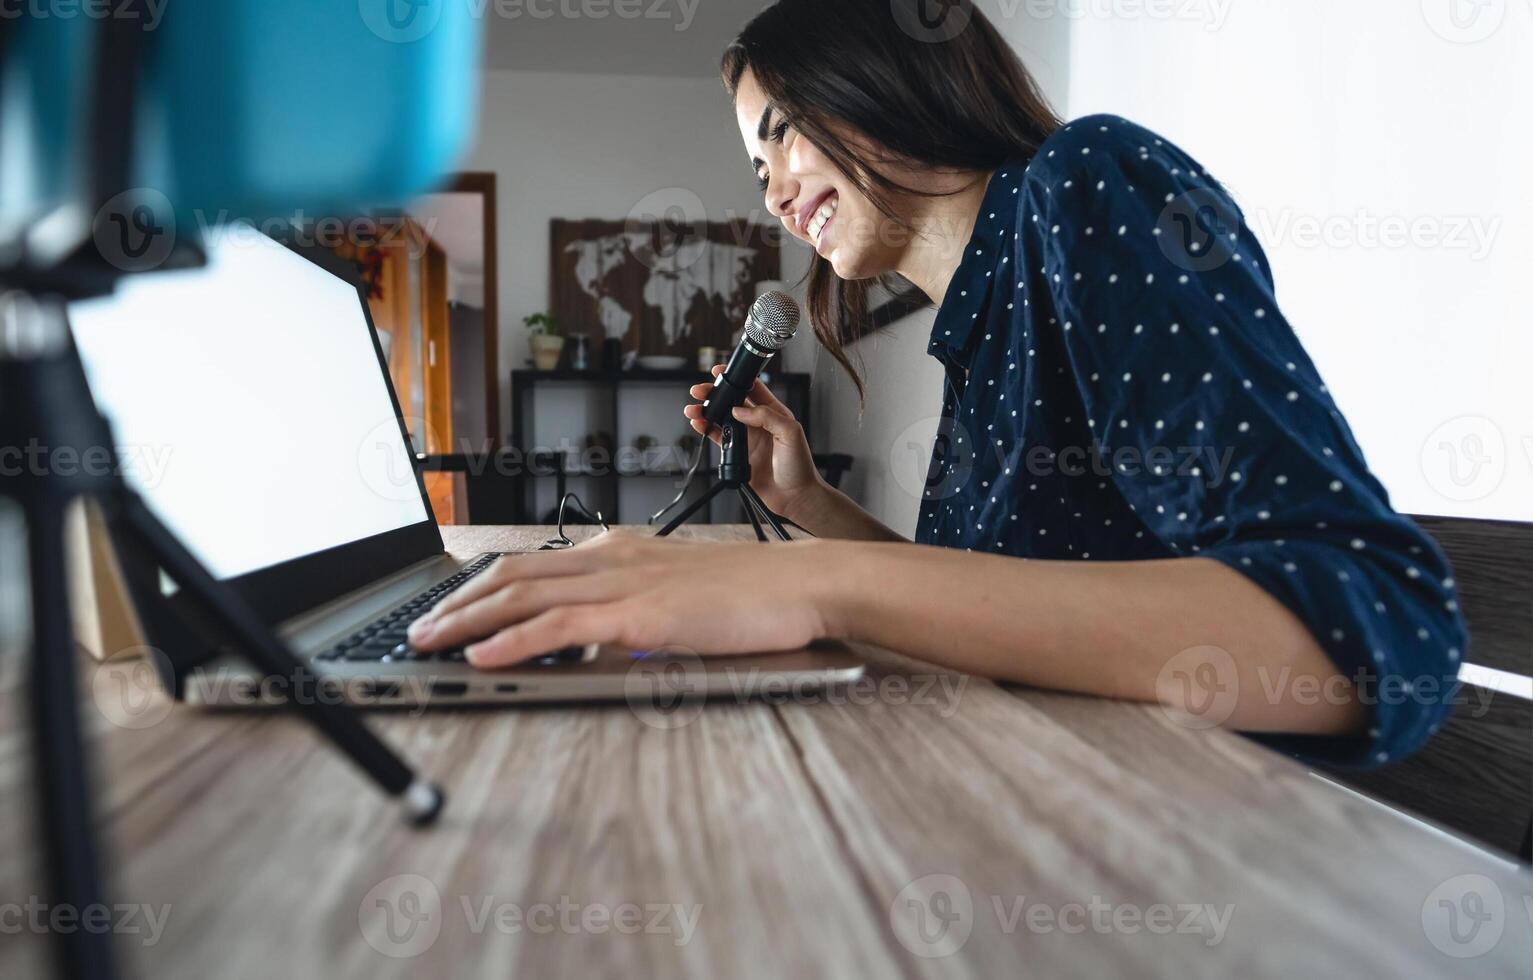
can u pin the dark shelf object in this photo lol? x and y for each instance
(636, 474)
(833, 467)
(792, 387)
(637, 375)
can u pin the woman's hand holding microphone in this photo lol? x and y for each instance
(782, 465)
(783, 471)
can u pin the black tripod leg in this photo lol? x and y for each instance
(691, 509)
(750, 511)
(63, 769)
(251, 636)
(754, 500)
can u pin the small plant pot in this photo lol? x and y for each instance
(546, 351)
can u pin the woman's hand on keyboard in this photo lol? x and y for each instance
(630, 589)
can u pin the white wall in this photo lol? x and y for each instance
(1327, 119)
(890, 440)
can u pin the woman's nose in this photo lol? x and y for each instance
(780, 198)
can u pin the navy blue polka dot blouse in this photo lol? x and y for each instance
(1121, 385)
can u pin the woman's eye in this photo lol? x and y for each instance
(777, 135)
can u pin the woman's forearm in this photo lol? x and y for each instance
(828, 513)
(1103, 628)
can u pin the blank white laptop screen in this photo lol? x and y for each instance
(248, 405)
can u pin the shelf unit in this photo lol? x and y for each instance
(608, 391)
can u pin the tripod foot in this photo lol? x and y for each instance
(422, 803)
(753, 501)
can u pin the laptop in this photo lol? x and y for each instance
(254, 412)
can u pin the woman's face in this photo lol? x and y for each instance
(816, 203)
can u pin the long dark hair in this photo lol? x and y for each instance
(949, 93)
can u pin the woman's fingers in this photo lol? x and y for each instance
(704, 429)
(542, 564)
(762, 409)
(701, 389)
(762, 395)
(514, 603)
(560, 627)
(776, 423)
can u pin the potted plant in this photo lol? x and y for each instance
(546, 337)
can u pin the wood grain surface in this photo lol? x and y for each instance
(916, 824)
(1493, 566)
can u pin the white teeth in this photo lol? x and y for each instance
(826, 212)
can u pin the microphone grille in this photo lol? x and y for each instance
(773, 321)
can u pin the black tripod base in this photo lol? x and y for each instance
(734, 474)
(755, 509)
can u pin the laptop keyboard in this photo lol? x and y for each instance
(384, 640)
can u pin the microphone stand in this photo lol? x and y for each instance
(734, 474)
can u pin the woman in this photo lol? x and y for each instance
(1126, 408)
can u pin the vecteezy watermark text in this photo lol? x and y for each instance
(144, 465)
(935, 915)
(150, 12)
(667, 689)
(1212, 14)
(407, 21)
(569, 918)
(1200, 230)
(1201, 687)
(390, 476)
(139, 229)
(937, 468)
(681, 11)
(129, 689)
(402, 917)
(123, 919)
(1362, 229)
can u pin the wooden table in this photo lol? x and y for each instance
(902, 829)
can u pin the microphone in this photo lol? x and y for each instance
(772, 322)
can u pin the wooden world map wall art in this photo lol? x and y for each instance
(661, 288)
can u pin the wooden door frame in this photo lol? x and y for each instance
(436, 349)
(482, 183)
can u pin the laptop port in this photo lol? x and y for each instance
(449, 689)
(507, 688)
(379, 689)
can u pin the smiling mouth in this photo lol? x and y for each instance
(822, 217)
